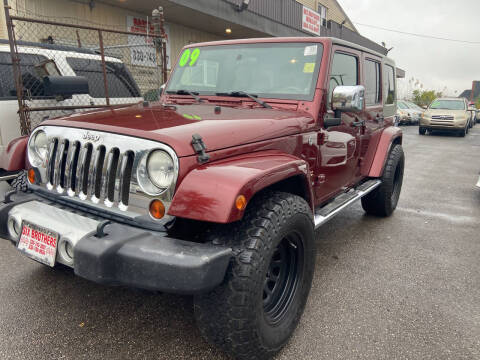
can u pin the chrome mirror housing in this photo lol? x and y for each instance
(348, 98)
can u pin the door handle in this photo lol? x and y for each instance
(358, 123)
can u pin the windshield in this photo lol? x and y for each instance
(402, 105)
(448, 105)
(268, 70)
(415, 106)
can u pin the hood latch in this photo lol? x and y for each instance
(200, 147)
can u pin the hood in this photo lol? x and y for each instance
(175, 125)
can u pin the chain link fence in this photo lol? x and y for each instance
(61, 68)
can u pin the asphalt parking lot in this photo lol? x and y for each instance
(406, 287)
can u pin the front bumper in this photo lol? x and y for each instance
(125, 255)
(443, 125)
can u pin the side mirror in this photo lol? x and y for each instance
(65, 86)
(348, 98)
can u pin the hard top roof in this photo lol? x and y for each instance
(290, 40)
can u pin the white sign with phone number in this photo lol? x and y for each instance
(143, 51)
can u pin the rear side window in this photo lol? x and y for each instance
(373, 87)
(344, 72)
(119, 80)
(31, 77)
(390, 83)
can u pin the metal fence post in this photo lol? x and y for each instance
(17, 75)
(104, 67)
(161, 39)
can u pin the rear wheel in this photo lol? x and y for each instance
(257, 308)
(383, 200)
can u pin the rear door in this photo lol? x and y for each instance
(374, 113)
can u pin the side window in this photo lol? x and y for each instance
(31, 77)
(344, 72)
(390, 83)
(373, 87)
(119, 80)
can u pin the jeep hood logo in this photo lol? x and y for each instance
(90, 137)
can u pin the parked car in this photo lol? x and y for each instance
(403, 113)
(474, 114)
(448, 114)
(408, 112)
(38, 61)
(216, 191)
(416, 110)
(478, 182)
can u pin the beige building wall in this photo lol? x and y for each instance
(102, 15)
(108, 16)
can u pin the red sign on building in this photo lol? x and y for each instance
(311, 21)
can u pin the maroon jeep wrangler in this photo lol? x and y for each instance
(217, 190)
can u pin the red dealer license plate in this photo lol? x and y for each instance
(38, 243)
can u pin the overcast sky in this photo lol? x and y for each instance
(435, 63)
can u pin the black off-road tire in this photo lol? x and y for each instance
(275, 237)
(20, 182)
(422, 130)
(383, 200)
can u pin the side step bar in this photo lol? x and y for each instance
(8, 177)
(327, 212)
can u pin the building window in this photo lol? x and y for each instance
(372, 83)
(390, 78)
(322, 10)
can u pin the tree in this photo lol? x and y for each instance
(477, 104)
(425, 97)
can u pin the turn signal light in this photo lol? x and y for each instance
(31, 176)
(157, 209)
(241, 202)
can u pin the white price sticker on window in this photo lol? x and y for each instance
(310, 50)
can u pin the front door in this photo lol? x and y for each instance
(340, 148)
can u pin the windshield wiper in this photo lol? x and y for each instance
(186, 92)
(245, 94)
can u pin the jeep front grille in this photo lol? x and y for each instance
(87, 171)
(100, 169)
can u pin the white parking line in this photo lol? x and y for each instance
(457, 219)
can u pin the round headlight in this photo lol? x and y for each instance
(160, 168)
(38, 148)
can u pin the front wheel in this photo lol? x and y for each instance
(383, 200)
(257, 308)
(422, 130)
